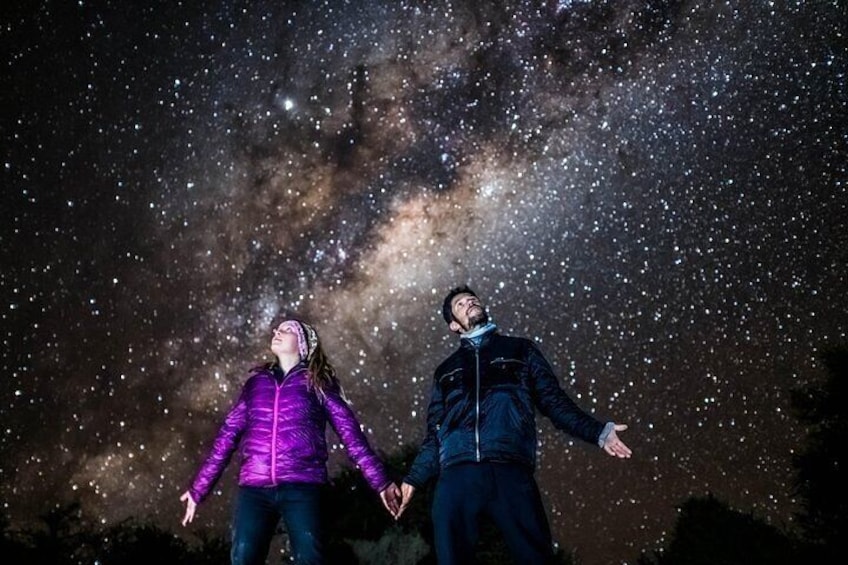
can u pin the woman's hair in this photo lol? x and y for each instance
(322, 375)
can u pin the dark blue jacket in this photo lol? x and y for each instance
(483, 405)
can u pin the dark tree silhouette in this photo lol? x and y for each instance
(709, 532)
(134, 541)
(67, 537)
(13, 548)
(821, 465)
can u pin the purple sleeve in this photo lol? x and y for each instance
(344, 422)
(222, 450)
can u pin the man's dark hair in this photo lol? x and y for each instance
(447, 312)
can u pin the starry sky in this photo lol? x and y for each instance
(655, 191)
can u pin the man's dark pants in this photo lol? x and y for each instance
(507, 494)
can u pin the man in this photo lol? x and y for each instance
(481, 437)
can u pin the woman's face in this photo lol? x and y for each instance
(284, 339)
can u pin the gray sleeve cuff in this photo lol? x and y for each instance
(605, 433)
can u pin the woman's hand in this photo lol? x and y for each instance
(191, 506)
(391, 499)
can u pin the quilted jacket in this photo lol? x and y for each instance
(483, 405)
(278, 427)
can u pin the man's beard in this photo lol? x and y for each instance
(479, 318)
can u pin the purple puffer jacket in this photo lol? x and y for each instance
(280, 431)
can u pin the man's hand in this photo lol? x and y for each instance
(391, 496)
(406, 491)
(191, 506)
(615, 446)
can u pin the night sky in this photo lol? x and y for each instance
(654, 191)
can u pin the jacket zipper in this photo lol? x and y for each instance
(477, 415)
(277, 388)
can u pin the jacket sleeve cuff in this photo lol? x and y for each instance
(602, 439)
(195, 495)
(381, 486)
(413, 482)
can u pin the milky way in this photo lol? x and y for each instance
(654, 191)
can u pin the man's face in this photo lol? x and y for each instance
(468, 312)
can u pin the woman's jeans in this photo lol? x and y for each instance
(259, 510)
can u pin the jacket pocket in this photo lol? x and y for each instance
(450, 381)
(505, 371)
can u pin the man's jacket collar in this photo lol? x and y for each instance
(484, 333)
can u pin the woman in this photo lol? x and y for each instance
(278, 423)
